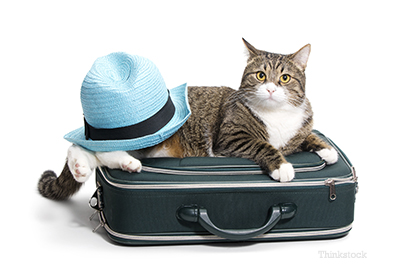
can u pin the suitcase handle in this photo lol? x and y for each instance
(193, 213)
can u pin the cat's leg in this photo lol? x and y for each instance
(273, 160)
(119, 160)
(81, 163)
(265, 155)
(314, 144)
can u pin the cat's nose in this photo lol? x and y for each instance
(271, 88)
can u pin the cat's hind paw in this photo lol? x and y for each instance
(330, 155)
(285, 173)
(79, 164)
(81, 173)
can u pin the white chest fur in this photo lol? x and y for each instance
(282, 123)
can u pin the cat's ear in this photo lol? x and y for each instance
(251, 49)
(300, 58)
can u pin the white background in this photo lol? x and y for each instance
(47, 47)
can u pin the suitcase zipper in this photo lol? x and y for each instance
(182, 172)
(332, 182)
(229, 184)
(332, 190)
(96, 203)
(248, 172)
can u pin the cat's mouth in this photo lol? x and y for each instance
(274, 98)
(270, 93)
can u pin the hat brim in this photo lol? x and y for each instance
(182, 112)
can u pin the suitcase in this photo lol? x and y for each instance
(200, 200)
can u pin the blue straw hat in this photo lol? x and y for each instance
(127, 105)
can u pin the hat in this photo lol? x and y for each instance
(127, 106)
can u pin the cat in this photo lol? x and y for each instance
(267, 118)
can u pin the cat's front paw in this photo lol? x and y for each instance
(285, 173)
(130, 164)
(330, 155)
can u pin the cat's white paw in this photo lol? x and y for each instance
(79, 163)
(119, 160)
(80, 172)
(285, 173)
(130, 164)
(330, 155)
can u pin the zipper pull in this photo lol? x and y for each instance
(101, 224)
(93, 215)
(332, 190)
(96, 204)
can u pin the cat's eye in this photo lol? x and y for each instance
(261, 76)
(285, 78)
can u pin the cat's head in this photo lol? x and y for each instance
(274, 80)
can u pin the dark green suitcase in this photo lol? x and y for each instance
(199, 200)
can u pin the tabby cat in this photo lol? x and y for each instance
(267, 118)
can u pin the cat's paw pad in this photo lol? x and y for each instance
(131, 164)
(330, 155)
(285, 173)
(80, 170)
(79, 164)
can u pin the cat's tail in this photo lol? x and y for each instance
(60, 188)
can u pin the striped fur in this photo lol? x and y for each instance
(267, 118)
(249, 128)
(58, 188)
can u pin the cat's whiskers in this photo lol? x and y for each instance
(294, 102)
(255, 99)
